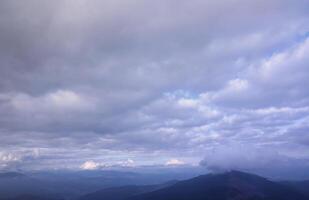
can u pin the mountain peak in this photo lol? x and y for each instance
(242, 175)
(229, 185)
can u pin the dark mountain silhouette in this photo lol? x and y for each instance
(72, 184)
(14, 185)
(31, 197)
(301, 186)
(121, 193)
(232, 185)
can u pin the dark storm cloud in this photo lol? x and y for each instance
(130, 80)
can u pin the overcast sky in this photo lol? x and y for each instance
(100, 83)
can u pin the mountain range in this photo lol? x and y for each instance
(232, 185)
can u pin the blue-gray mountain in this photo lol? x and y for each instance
(233, 185)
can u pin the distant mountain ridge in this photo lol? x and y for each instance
(31, 197)
(11, 175)
(232, 185)
(120, 193)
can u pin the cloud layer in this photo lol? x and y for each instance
(152, 81)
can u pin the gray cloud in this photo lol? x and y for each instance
(115, 80)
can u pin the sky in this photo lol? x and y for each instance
(220, 84)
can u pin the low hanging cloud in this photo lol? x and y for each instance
(236, 156)
(240, 157)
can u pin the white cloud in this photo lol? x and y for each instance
(64, 100)
(16, 159)
(128, 163)
(90, 165)
(188, 103)
(9, 157)
(281, 110)
(173, 162)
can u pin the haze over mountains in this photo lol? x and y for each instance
(233, 185)
(71, 184)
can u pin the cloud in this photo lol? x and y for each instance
(263, 159)
(90, 165)
(239, 156)
(14, 160)
(128, 163)
(105, 81)
(173, 162)
(60, 100)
